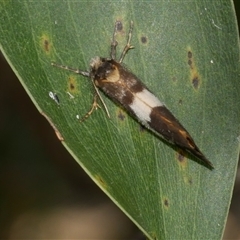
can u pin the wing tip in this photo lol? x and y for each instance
(197, 153)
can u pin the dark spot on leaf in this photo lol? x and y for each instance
(119, 26)
(180, 155)
(121, 115)
(194, 74)
(190, 181)
(46, 45)
(72, 85)
(181, 158)
(166, 202)
(195, 82)
(153, 235)
(144, 39)
(189, 54)
(101, 182)
(190, 62)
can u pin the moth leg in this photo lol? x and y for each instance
(98, 95)
(77, 71)
(94, 106)
(128, 46)
(114, 42)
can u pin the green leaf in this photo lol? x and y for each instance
(187, 52)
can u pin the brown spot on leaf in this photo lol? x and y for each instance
(181, 158)
(45, 43)
(153, 235)
(121, 115)
(144, 39)
(72, 85)
(166, 202)
(180, 155)
(119, 26)
(194, 74)
(190, 63)
(189, 54)
(195, 82)
(100, 181)
(190, 181)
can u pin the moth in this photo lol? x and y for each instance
(125, 88)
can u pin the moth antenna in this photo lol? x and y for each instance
(128, 46)
(77, 71)
(114, 42)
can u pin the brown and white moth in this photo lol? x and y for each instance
(123, 87)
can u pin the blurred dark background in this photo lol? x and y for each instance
(43, 191)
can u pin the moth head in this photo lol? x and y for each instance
(101, 68)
